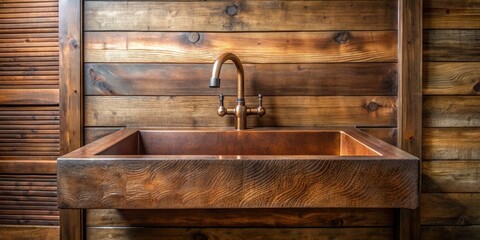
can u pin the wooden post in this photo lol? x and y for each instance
(71, 109)
(410, 101)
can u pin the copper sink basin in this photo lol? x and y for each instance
(223, 168)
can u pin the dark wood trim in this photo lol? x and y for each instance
(71, 106)
(72, 224)
(410, 101)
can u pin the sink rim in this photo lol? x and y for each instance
(92, 150)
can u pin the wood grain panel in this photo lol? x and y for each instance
(450, 232)
(451, 111)
(275, 47)
(451, 78)
(268, 79)
(451, 143)
(450, 209)
(93, 133)
(29, 232)
(240, 218)
(451, 176)
(459, 14)
(240, 233)
(28, 199)
(29, 97)
(451, 45)
(201, 111)
(240, 16)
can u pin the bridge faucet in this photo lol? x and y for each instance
(240, 111)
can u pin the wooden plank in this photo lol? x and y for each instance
(7, 5)
(29, 166)
(240, 233)
(71, 48)
(451, 78)
(268, 79)
(451, 176)
(409, 118)
(193, 111)
(71, 106)
(266, 47)
(452, 45)
(93, 133)
(450, 209)
(240, 16)
(451, 111)
(29, 232)
(240, 218)
(451, 143)
(29, 96)
(450, 232)
(459, 14)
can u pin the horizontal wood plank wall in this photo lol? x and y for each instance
(147, 63)
(451, 117)
(29, 119)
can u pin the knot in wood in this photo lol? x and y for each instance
(343, 37)
(476, 87)
(193, 37)
(463, 220)
(372, 106)
(232, 10)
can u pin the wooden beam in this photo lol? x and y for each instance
(71, 109)
(410, 101)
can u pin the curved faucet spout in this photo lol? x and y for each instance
(217, 66)
(240, 111)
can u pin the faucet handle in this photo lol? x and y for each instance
(221, 99)
(260, 109)
(222, 111)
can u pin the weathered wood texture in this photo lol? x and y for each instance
(451, 176)
(451, 143)
(260, 47)
(241, 218)
(71, 61)
(451, 111)
(29, 119)
(451, 209)
(409, 101)
(28, 200)
(28, 96)
(452, 45)
(450, 232)
(451, 115)
(240, 16)
(442, 14)
(12, 232)
(201, 111)
(240, 233)
(268, 79)
(451, 78)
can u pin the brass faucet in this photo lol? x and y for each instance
(240, 111)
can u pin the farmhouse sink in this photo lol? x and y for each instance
(223, 168)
